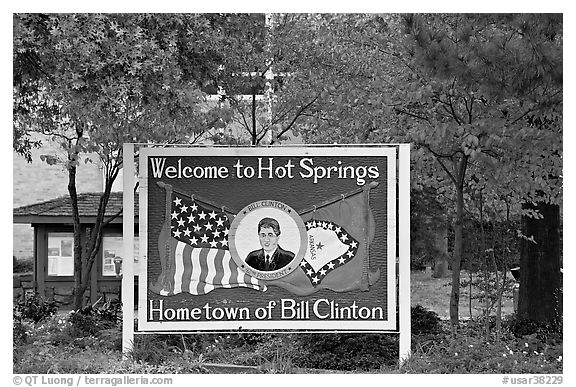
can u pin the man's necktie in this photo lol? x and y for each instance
(267, 263)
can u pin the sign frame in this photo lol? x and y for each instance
(398, 235)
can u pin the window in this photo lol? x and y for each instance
(112, 249)
(60, 254)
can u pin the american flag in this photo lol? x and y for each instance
(199, 254)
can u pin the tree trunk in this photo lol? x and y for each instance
(457, 258)
(441, 241)
(78, 290)
(540, 277)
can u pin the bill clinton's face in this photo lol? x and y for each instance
(268, 239)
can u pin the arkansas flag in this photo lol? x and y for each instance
(193, 247)
(337, 257)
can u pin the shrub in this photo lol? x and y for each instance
(19, 333)
(346, 352)
(526, 327)
(35, 308)
(424, 321)
(22, 265)
(91, 319)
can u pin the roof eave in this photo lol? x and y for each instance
(43, 219)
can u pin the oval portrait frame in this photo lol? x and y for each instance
(243, 236)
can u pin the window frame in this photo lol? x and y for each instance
(51, 277)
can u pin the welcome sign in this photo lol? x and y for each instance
(286, 238)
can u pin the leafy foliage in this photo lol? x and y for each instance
(92, 82)
(92, 319)
(424, 321)
(22, 265)
(35, 308)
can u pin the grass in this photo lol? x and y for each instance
(434, 295)
(61, 344)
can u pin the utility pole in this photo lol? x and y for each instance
(269, 76)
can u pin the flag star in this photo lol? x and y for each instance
(194, 207)
(197, 228)
(193, 241)
(303, 263)
(315, 280)
(178, 201)
(177, 234)
(350, 254)
(202, 215)
(342, 260)
(224, 242)
(213, 243)
(354, 244)
(217, 234)
(324, 225)
(174, 215)
(191, 218)
(183, 209)
(180, 222)
(226, 231)
(208, 226)
(212, 215)
(319, 246)
(204, 238)
(344, 237)
(187, 232)
(330, 266)
(330, 226)
(309, 272)
(322, 272)
(220, 223)
(338, 229)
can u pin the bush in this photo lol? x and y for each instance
(91, 319)
(19, 333)
(424, 321)
(346, 352)
(22, 265)
(35, 308)
(542, 329)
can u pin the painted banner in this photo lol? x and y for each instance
(268, 238)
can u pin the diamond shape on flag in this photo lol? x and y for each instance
(323, 247)
(329, 247)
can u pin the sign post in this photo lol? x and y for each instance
(128, 239)
(300, 239)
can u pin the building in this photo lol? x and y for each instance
(53, 243)
(37, 181)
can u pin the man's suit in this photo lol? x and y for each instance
(257, 259)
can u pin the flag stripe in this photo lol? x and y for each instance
(212, 255)
(178, 266)
(187, 272)
(218, 270)
(195, 274)
(226, 273)
(203, 269)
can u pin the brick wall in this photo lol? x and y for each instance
(37, 181)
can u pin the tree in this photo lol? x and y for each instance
(462, 88)
(92, 82)
(475, 79)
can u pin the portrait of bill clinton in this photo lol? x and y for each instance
(271, 256)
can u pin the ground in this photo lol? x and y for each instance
(434, 294)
